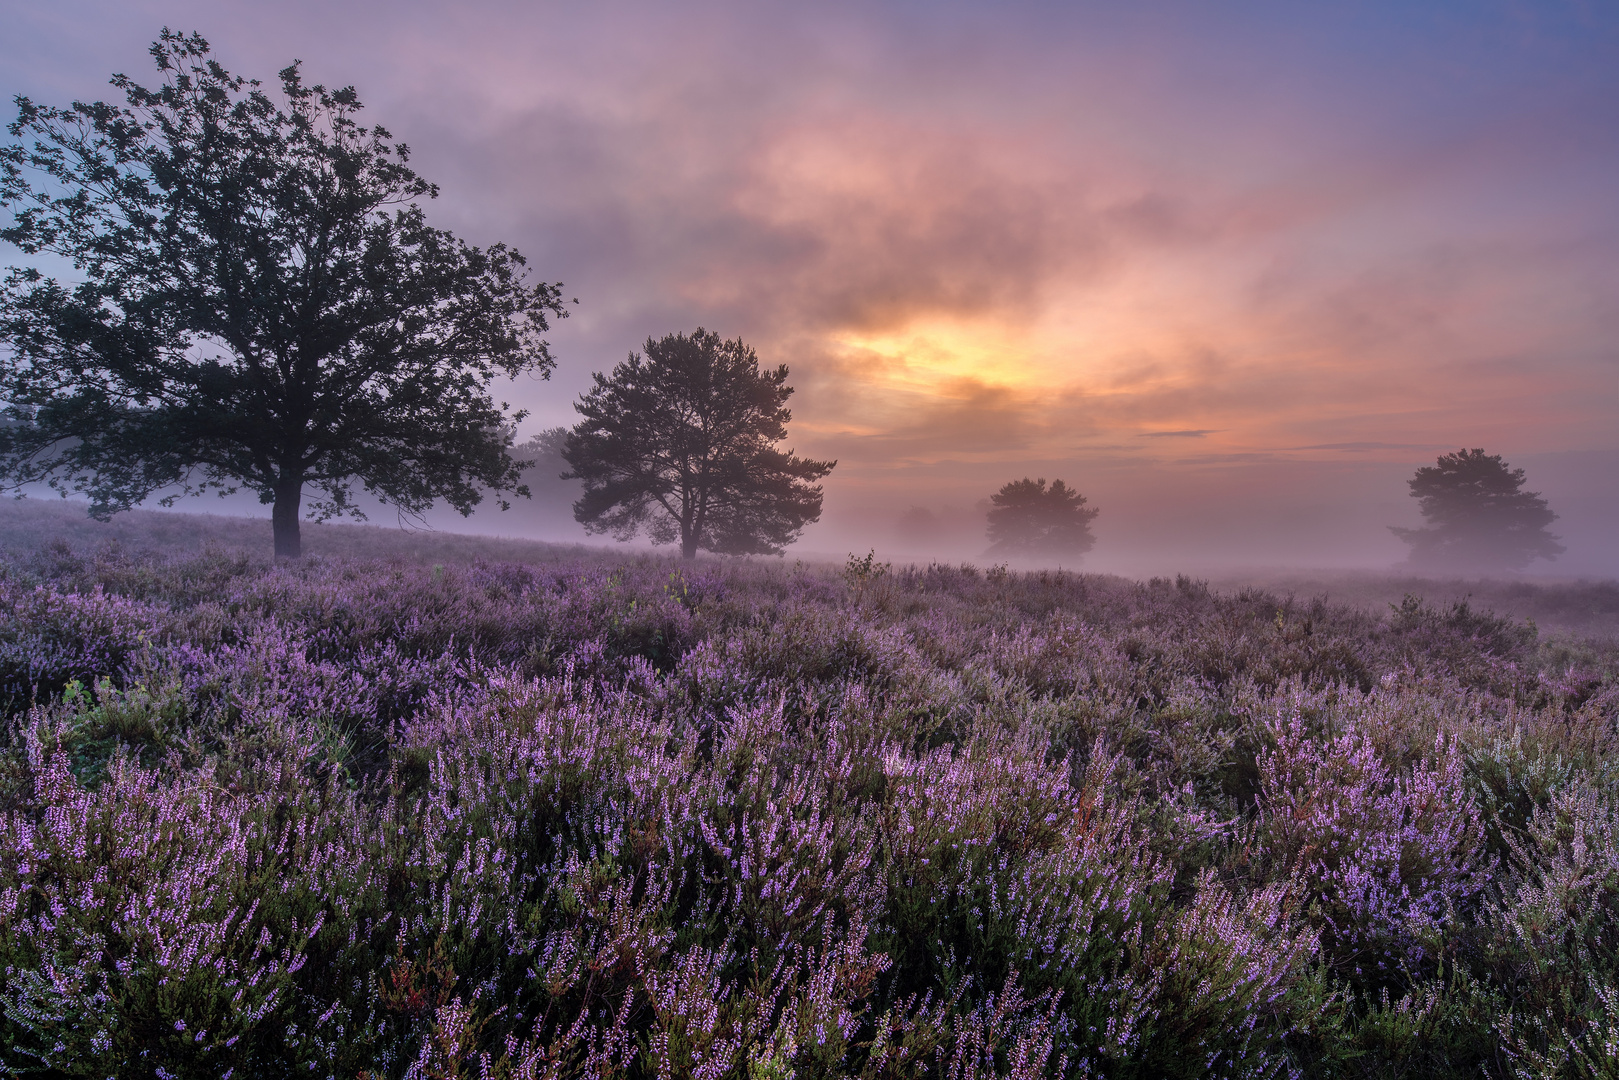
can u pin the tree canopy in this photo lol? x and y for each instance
(1478, 517)
(262, 305)
(1030, 520)
(681, 443)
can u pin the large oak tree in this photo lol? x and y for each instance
(682, 441)
(261, 304)
(1477, 515)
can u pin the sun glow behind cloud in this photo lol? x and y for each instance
(928, 356)
(1077, 299)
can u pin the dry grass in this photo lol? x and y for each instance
(26, 524)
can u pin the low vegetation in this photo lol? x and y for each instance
(351, 818)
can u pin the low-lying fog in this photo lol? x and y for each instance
(1221, 520)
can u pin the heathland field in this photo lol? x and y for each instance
(477, 808)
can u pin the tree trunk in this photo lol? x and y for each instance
(691, 527)
(289, 496)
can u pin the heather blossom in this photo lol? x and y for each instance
(352, 818)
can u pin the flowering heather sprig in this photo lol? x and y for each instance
(191, 908)
(1554, 918)
(49, 638)
(1388, 858)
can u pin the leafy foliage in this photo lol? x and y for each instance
(263, 304)
(681, 442)
(1031, 520)
(1479, 518)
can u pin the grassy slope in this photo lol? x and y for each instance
(26, 524)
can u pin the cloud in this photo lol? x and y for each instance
(889, 211)
(1365, 446)
(991, 242)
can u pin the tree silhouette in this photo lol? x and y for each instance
(681, 443)
(1478, 518)
(1031, 520)
(917, 525)
(263, 305)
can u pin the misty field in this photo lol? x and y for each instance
(586, 816)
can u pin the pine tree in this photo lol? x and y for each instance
(1478, 516)
(681, 443)
(1030, 520)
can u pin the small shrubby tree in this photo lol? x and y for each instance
(262, 305)
(680, 442)
(544, 464)
(917, 525)
(547, 513)
(1028, 519)
(1478, 517)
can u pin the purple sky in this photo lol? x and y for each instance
(1233, 271)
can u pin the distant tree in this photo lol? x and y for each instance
(681, 443)
(543, 460)
(548, 511)
(263, 305)
(1028, 519)
(1478, 517)
(918, 525)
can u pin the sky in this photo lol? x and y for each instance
(1233, 271)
